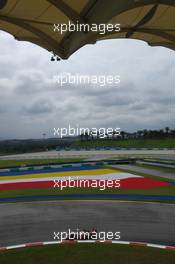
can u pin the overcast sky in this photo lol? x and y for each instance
(32, 104)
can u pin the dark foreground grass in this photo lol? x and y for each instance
(30, 162)
(88, 253)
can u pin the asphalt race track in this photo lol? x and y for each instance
(37, 221)
(91, 154)
(137, 169)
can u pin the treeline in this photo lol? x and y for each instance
(140, 134)
(37, 145)
(26, 146)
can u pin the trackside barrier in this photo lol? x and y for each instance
(44, 167)
(109, 148)
(39, 244)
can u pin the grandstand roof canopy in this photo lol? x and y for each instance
(152, 21)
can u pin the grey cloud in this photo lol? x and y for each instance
(39, 107)
(144, 99)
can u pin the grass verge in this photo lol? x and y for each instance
(88, 253)
(69, 191)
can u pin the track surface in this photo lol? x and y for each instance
(137, 221)
(92, 154)
(154, 172)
